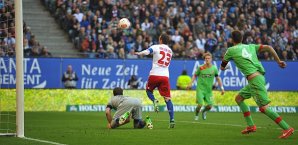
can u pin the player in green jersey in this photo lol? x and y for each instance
(206, 74)
(245, 58)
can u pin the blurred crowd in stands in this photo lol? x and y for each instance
(7, 34)
(195, 26)
(7, 31)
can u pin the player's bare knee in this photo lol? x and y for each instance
(239, 99)
(137, 123)
(209, 107)
(167, 99)
(263, 108)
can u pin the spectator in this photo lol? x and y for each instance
(131, 54)
(110, 52)
(140, 44)
(145, 25)
(133, 82)
(100, 43)
(151, 31)
(44, 52)
(186, 33)
(78, 15)
(121, 53)
(88, 44)
(176, 37)
(10, 42)
(269, 22)
(70, 78)
(26, 47)
(211, 43)
(102, 53)
(2, 53)
(35, 51)
(200, 42)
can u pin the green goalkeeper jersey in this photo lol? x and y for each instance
(245, 58)
(206, 77)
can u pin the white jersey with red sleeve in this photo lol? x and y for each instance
(162, 55)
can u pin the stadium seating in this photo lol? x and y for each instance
(195, 26)
(31, 46)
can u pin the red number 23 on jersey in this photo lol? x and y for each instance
(165, 59)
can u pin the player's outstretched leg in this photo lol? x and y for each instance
(246, 113)
(204, 112)
(115, 123)
(124, 117)
(152, 98)
(197, 111)
(172, 124)
(156, 106)
(171, 112)
(249, 129)
(149, 123)
(139, 123)
(287, 130)
(287, 133)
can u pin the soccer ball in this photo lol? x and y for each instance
(150, 126)
(124, 23)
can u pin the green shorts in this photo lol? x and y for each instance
(256, 89)
(206, 96)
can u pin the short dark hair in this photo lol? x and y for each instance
(117, 91)
(165, 38)
(184, 72)
(237, 36)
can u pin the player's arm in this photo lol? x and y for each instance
(227, 57)
(223, 65)
(192, 79)
(262, 48)
(145, 52)
(109, 115)
(220, 84)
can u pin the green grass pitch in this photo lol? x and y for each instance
(89, 128)
(57, 99)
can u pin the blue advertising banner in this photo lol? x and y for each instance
(38, 73)
(107, 74)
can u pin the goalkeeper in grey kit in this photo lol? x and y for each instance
(126, 108)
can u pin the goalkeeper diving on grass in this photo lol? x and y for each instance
(126, 108)
(205, 74)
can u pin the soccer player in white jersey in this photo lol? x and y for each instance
(159, 74)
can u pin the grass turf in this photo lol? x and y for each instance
(57, 99)
(89, 128)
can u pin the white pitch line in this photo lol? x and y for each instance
(210, 123)
(43, 141)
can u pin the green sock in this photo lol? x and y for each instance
(275, 117)
(244, 108)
